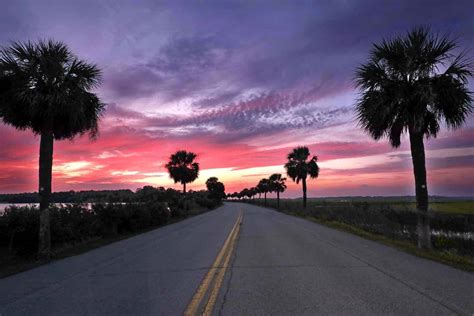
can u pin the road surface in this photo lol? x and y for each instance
(240, 260)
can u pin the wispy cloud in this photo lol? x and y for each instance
(239, 83)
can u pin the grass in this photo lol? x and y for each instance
(441, 206)
(449, 257)
(452, 259)
(455, 207)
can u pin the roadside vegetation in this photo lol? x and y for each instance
(85, 226)
(394, 223)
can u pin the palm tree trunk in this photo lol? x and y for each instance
(45, 174)
(421, 189)
(304, 192)
(265, 194)
(184, 187)
(278, 199)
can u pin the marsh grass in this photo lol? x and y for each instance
(394, 223)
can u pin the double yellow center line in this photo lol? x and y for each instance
(214, 276)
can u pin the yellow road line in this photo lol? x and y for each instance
(220, 276)
(193, 305)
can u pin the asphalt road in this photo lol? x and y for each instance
(279, 265)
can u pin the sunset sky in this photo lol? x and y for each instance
(238, 83)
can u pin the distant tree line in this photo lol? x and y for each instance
(89, 196)
(298, 168)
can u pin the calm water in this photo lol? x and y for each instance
(5, 205)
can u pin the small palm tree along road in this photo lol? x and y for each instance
(240, 260)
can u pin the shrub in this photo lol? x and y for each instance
(451, 232)
(76, 223)
(20, 228)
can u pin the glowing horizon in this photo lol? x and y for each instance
(239, 85)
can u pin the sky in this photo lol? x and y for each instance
(240, 83)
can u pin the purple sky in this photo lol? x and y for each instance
(250, 78)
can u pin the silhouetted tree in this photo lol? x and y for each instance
(216, 188)
(242, 194)
(412, 85)
(45, 88)
(277, 184)
(253, 192)
(298, 168)
(258, 191)
(182, 167)
(147, 193)
(264, 187)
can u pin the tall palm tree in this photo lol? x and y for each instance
(411, 85)
(182, 167)
(277, 184)
(46, 89)
(298, 167)
(264, 187)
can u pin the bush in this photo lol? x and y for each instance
(451, 232)
(73, 224)
(20, 229)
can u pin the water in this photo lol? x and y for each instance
(3, 206)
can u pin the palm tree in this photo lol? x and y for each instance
(46, 89)
(277, 184)
(182, 167)
(254, 191)
(264, 187)
(298, 168)
(411, 85)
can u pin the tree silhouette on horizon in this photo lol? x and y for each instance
(411, 85)
(298, 167)
(45, 88)
(182, 168)
(216, 188)
(277, 184)
(263, 186)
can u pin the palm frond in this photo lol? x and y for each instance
(401, 89)
(49, 90)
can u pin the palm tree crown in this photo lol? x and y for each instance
(413, 83)
(182, 167)
(277, 183)
(298, 167)
(264, 185)
(45, 88)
